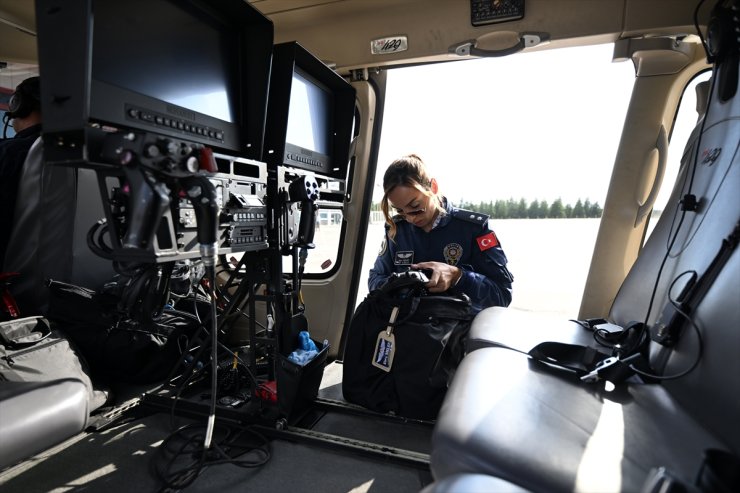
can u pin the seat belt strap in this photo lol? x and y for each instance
(668, 328)
(579, 359)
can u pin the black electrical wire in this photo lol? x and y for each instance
(95, 240)
(700, 341)
(181, 460)
(195, 316)
(710, 58)
(200, 450)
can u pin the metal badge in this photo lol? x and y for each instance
(391, 44)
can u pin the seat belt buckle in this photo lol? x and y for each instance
(612, 369)
(596, 374)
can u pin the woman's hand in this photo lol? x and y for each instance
(443, 277)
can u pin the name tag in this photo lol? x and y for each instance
(385, 345)
(385, 349)
(404, 258)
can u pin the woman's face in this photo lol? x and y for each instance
(416, 207)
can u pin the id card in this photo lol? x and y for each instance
(385, 348)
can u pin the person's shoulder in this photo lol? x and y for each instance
(469, 216)
(12, 147)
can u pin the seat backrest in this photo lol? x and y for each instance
(684, 244)
(633, 299)
(55, 207)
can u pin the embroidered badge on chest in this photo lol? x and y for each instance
(404, 258)
(452, 253)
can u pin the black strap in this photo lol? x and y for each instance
(575, 358)
(579, 359)
(668, 328)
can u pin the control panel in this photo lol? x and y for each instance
(484, 12)
(171, 193)
(242, 218)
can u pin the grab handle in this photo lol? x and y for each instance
(526, 40)
(661, 145)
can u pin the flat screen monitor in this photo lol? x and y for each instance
(310, 114)
(195, 70)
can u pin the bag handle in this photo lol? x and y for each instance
(24, 332)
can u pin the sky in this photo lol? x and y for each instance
(497, 128)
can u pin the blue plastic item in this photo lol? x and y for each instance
(305, 341)
(301, 357)
(306, 351)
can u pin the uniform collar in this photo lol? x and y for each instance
(444, 216)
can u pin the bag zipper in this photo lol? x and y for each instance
(11, 361)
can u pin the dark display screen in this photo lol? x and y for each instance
(309, 117)
(162, 50)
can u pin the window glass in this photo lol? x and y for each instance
(5, 94)
(322, 258)
(521, 138)
(685, 122)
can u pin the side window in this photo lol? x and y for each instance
(686, 120)
(5, 94)
(528, 139)
(323, 257)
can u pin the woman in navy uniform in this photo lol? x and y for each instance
(426, 232)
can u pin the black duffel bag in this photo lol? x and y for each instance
(117, 348)
(405, 369)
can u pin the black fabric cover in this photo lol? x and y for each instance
(429, 334)
(55, 208)
(117, 348)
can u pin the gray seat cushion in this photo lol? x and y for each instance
(507, 416)
(37, 415)
(472, 483)
(523, 330)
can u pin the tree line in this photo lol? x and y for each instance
(535, 209)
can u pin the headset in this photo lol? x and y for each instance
(25, 100)
(723, 45)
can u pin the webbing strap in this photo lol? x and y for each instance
(580, 359)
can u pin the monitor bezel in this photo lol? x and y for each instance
(289, 58)
(75, 105)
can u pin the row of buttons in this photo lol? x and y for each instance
(240, 217)
(175, 124)
(490, 11)
(247, 239)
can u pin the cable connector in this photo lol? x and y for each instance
(689, 202)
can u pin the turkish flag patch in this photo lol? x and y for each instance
(487, 241)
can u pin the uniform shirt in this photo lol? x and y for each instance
(460, 238)
(13, 154)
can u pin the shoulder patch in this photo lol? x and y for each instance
(471, 216)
